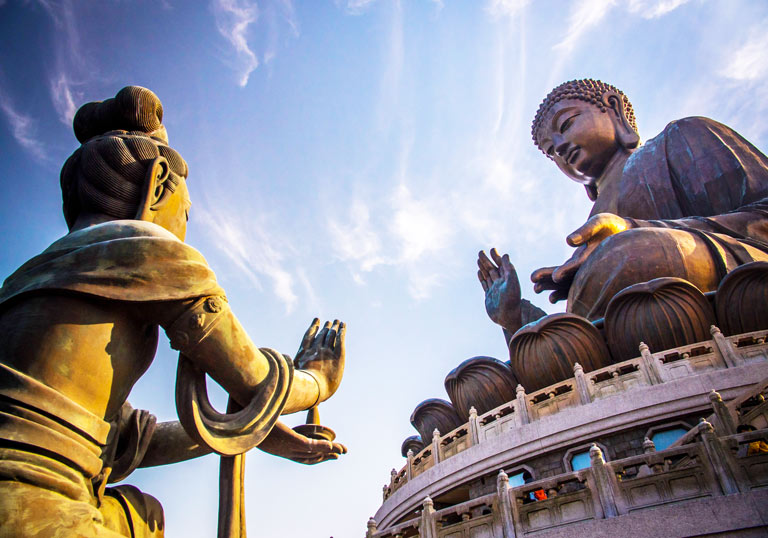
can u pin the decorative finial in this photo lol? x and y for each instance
(648, 446)
(436, 435)
(472, 412)
(596, 455)
(643, 347)
(714, 396)
(714, 330)
(577, 368)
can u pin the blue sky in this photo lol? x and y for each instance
(348, 159)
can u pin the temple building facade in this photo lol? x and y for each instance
(651, 421)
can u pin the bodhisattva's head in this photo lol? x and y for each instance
(125, 168)
(583, 125)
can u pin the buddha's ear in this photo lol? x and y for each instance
(628, 137)
(155, 191)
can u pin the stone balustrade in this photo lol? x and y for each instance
(650, 368)
(716, 467)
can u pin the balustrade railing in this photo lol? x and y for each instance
(650, 368)
(712, 466)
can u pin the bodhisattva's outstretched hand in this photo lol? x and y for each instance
(322, 354)
(586, 239)
(284, 442)
(502, 290)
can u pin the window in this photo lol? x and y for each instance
(580, 461)
(664, 438)
(518, 477)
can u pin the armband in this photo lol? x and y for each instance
(196, 323)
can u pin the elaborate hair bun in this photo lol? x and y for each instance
(133, 109)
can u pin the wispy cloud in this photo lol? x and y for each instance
(252, 246)
(233, 17)
(506, 8)
(583, 17)
(22, 127)
(652, 9)
(63, 100)
(749, 61)
(71, 67)
(355, 7)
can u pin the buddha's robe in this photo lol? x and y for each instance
(54, 452)
(699, 194)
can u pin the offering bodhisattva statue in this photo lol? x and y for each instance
(690, 203)
(80, 326)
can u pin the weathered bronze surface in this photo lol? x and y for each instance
(480, 382)
(412, 443)
(80, 326)
(434, 414)
(741, 301)
(664, 313)
(544, 352)
(690, 203)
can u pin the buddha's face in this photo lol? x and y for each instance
(174, 213)
(580, 138)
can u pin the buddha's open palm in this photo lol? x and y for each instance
(502, 289)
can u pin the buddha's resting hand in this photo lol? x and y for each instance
(321, 354)
(586, 239)
(284, 442)
(502, 290)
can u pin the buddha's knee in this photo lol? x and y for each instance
(635, 256)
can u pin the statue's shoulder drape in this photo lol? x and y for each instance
(695, 167)
(125, 260)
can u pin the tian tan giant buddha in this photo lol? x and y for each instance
(690, 203)
(80, 326)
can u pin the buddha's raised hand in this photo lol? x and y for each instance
(322, 355)
(502, 289)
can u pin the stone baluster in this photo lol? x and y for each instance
(427, 527)
(392, 477)
(409, 465)
(523, 411)
(505, 505)
(384, 490)
(718, 458)
(652, 368)
(474, 427)
(648, 446)
(436, 446)
(371, 528)
(581, 384)
(731, 358)
(723, 414)
(605, 483)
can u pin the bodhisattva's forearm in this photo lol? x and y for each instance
(171, 444)
(229, 356)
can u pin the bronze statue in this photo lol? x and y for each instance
(690, 203)
(80, 326)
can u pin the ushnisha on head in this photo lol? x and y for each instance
(582, 125)
(124, 168)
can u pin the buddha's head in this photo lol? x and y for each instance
(124, 168)
(581, 125)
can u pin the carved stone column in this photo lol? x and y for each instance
(371, 528)
(723, 414)
(522, 406)
(474, 427)
(652, 368)
(436, 446)
(409, 465)
(581, 384)
(731, 358)
(605, 483)
(427, 528)
(718, 458)
(504, 505)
